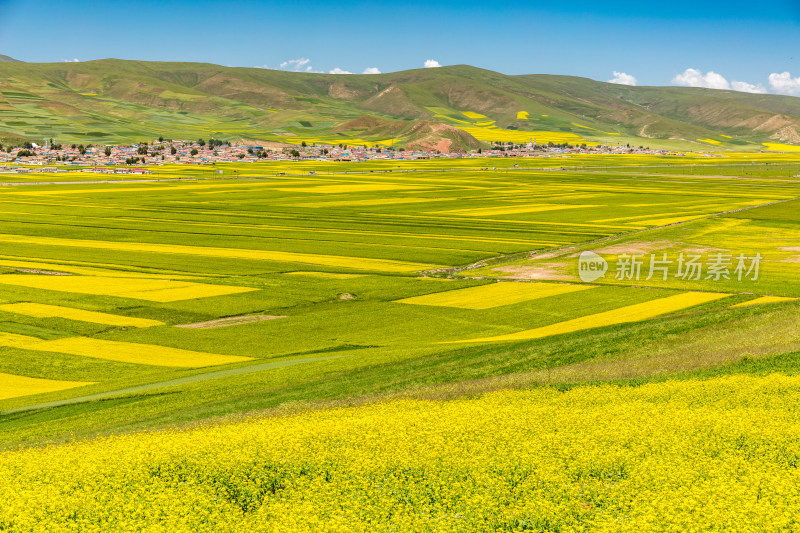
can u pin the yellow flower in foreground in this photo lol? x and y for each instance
(712, 455)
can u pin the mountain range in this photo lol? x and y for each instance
(446, 108)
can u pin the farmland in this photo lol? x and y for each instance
(422, 288)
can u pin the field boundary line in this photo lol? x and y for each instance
(165, 384)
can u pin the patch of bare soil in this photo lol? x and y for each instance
(547, 255)
(547, 271)
(230, 321)
(444, 145)
(346, 296)
(775, 123)
(42, 272)
(792, 259)
(342, 92)
(787, 134)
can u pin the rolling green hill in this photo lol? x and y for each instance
(446, 108)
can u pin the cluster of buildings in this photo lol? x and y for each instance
(108, 158)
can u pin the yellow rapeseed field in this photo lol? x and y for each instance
(714, 455)
(778, 147)
(154, 290)
(13, 386)
(622, 315)
(144, 354)
(494, 295)
(47, 311)
(491, 134)
(472, 114)
(522, 115)
(126, 352)
(765, 300)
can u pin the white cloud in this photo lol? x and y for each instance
(337, 70)
(297, 64)
(432, 63)
(371, 70)
(76, 60)
(783, 83)
(692, 77)
(623, 79)
(745, 87)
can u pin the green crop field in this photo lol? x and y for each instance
(369, 279)
(420, 345)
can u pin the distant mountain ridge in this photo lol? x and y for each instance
(7, 59)
(444, 108)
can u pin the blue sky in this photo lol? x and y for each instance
(655, 43)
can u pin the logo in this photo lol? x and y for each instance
(591, 267)
(688, 266)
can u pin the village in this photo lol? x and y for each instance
(134, 158)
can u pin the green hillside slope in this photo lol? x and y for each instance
(446, 108)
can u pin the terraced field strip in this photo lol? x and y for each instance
(355, 263)
(56, 311)
(154, 221)
(164, 384)
(370, 202)
(433, 219)
(623, 315)
(313, 185)
(328, 275)
(126, 352)
(668, 221)
(494, 295)
(154, 290)
(349, 188)
(744, 192)
(510, 210)
(13, 386)
(60, 268)
(766, 300)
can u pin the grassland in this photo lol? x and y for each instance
(404, 286)
(114, 101)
